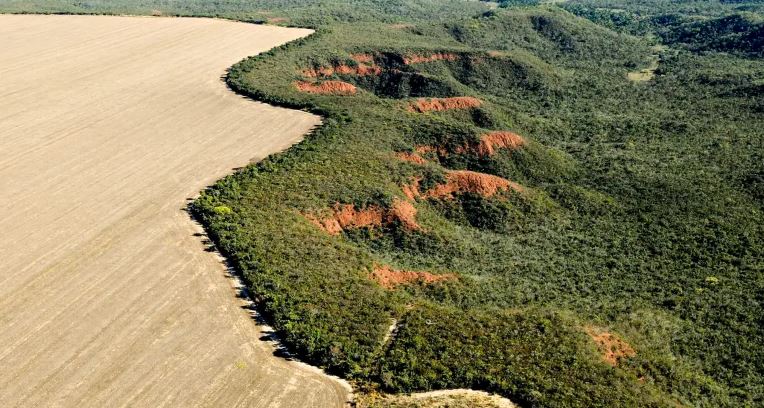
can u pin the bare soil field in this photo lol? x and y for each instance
(107, 296)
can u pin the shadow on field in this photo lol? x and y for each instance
(269, 335)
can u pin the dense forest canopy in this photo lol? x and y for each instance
(558, 202)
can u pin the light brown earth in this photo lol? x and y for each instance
(107, 298)
(456, 398)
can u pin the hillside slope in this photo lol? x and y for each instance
(493, 186)
(537, 225)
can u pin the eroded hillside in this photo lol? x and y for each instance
(535, 223)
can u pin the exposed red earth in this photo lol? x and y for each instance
(493, 141)
(411, 157)
(363, 58)
(462, 181)
(612, 347)
(341, 69)
(326, 87)
(422, 105)
(342, 217)
(390, 278)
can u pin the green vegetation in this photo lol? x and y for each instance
(638, 197)
(640, 213)
(306, 13)
(701, 26)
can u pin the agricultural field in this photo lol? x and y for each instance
(559, 204)
(107, 295)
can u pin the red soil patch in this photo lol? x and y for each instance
(326, 88)
(425, 149)
(405, 213)
(488, 145)
(465, 181)
(317, 72)
(411, 157)
(346, 216)
(329, 225)
(411, 190)
(499, 140)
(360, 70)
(420, 59)
(276, 20)
(439, 150)
(363, 58)
(389, 278)
(613, 348)
(442, 104)
(462, 181)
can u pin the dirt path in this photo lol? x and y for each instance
(107, 298)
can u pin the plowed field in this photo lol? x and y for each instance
(107, 296)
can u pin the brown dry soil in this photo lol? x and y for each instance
(107, 298)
